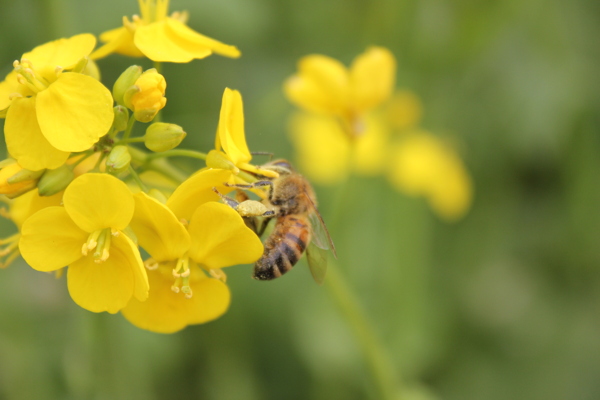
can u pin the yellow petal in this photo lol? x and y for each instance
(321, 85)
(99, 201)
(211, 299)
(120, 41)
(323, 149)
(24, 138)
(372, 76)
(50, 240)
(155, 40)
(230, 133)
(74, 112)
(158, 230)
(168, 312)
(124, 248)
(29, 203)
(65, 52)
(197, 190)
(106, 286)
(405, 110)
(370, 150)
(220, 238)
(191, 40)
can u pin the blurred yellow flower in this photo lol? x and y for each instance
(182, 291)
(327, 156)
(423, 165)
(325, 86)
(105, 267)
(49, 112)
(160, 37)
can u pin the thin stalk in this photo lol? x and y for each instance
(138, 180)
(130, 140)
(178, 153)
(130, 124)
(383, 374)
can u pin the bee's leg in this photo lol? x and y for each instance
(227, 200)
(255, 185)
(263, 226)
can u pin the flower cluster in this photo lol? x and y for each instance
(85, 200)
(354, 120)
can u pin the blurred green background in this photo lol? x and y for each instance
(504, 304)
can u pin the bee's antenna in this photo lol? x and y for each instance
(263, 153)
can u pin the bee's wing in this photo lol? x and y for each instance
(320, 234)
(317, 261)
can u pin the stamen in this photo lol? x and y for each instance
(15, 95)
(151, 264)
(58, 70)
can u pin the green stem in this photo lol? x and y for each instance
(130, 124)
(86, 155)
(138, 180)
(178, 153)
(381, 369)
(130, 140)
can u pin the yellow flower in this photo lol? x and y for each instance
(105, 267)
(20, 209)
(324, 86)
(149, 97)
(422, 165)
(326, 155)
(404, 110)
(231, 151)
(51, 112)
(182, 291)
(160, 37)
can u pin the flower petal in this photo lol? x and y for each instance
(99, 201)
(166, 311)
(24, 138)
(29, 203)
(120, 41)
(158, 230)
(321, 85)
(50, 240)
(106, 286)
(370, 150)
(220, 238)
(158, 43)
(372, 77)
(197, 190)
(65, 52)
(123, 246)
(323, 149)
(74, 112)
(193, 41)
(230, 132)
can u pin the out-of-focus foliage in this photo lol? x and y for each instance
(502, 304)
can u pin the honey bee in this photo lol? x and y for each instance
(298, 228)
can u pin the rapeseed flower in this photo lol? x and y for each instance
(160, 37)
(187, 285)
(105, 268)
(50, 111)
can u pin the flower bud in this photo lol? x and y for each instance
(55, 180)
(124, 82)
(161, 136)
(118, 160)
(14, 180)
(218, 159)
(150, 98)
(121, 118)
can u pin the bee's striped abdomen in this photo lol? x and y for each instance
(284, 247)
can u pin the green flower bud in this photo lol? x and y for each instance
(124, 82)
(24, 175)
(55, 180)
(161, 136)
(121, 118)
(218, 159)
(118, 160)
